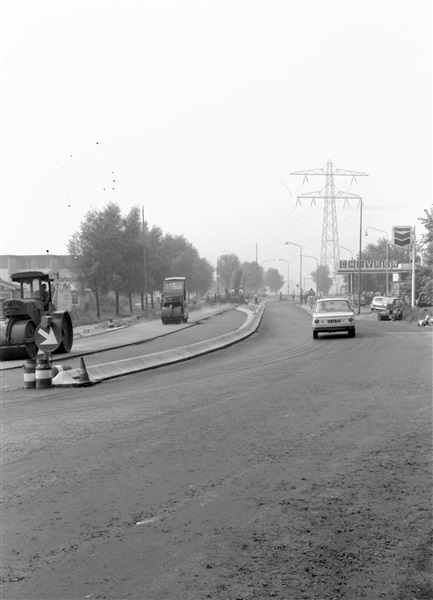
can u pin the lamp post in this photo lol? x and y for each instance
(317, 265)
(300, 269)
(146, 302)
(349, 250)
(351, 275)
(387, 266)
(288, 274)
(360, 256)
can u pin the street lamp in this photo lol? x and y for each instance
(381, 231)
(300, 269)
(351, 275)
(349, 250)
(288, 274)
(316, 259)
(317, 267)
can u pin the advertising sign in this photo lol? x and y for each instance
(401, 235)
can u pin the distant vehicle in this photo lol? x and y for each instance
(332, 315)
(393, 309)
(377, 303)
(236, 291)
(423, 301)
(174, 307)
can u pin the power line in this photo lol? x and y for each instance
(330, 252)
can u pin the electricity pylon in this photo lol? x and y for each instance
(330, 252)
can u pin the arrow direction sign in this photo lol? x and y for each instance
(46, 339)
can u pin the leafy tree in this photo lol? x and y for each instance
(424, 271)
(114, 248)
(273, 280)
(155, 265)
(132, 249)
(226, 265)
(93, 257)
(203, 278)
(376, 283)
(322, 279)
(254, 276)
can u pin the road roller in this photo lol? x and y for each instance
(174, 307)
(21, 316)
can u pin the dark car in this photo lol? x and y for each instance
(423, 301)
(393, 309)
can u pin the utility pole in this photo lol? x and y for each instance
(144, 264)
(330, 251)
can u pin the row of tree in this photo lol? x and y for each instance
(118, 253)
(256, 277)
(115, 253)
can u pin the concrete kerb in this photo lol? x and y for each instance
(127, 366)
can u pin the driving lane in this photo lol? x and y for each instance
(282, 466)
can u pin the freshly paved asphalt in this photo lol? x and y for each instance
(226, 327)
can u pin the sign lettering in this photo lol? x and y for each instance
(402, 236)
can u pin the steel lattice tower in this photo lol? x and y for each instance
(330, 252)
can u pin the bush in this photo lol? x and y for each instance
(413, 315)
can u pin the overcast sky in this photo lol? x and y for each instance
(200, 111)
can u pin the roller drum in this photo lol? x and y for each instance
(17, 340)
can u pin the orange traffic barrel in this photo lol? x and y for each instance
(29, 374)
(44, 374)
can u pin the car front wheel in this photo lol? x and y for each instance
(315, 335)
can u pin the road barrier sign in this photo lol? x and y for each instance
(48, 338)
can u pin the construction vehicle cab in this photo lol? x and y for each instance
(21, 316)
(174, 308)
(236, 291)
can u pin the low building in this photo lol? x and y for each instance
(57, 265)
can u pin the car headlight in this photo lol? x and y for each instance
(351, 319)
(316, 321)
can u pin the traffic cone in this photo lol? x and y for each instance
(84, 375)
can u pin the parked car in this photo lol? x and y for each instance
(331, 315)
(393, 309)
(377, 303)
(423, 301)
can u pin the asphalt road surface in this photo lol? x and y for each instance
(281, 467)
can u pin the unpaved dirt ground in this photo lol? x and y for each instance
(281, 467)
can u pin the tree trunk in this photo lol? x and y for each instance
(142, 301)
(117, 304)
(98, 312)
(130, 303)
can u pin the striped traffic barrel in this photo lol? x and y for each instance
(29, 374)
(44, 374)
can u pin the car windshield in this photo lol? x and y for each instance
(333, 306)
(173, 286)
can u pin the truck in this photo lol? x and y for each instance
(174, 308)
(21, 316)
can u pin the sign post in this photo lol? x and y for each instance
(404, 236)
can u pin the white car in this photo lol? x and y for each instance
(378, 303)
(331, 315)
